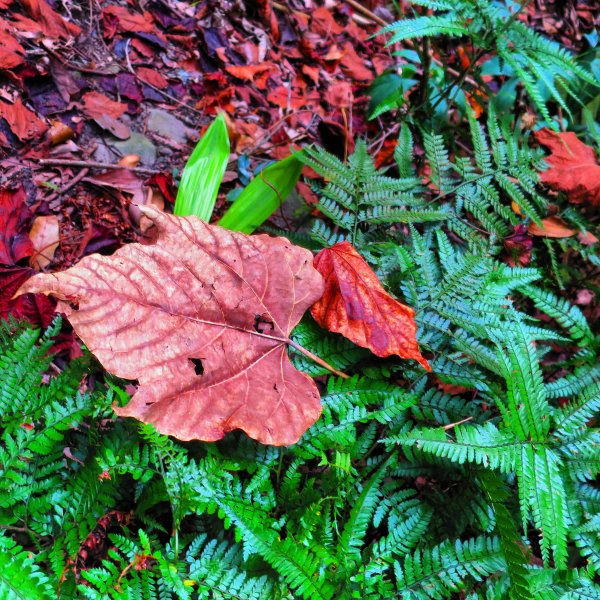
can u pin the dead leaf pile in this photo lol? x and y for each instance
(144, 79)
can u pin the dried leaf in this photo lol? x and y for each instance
(201, 318)
(59, 133)
(250, 72)
(553, 227)
(52, 24)
(354, 65)
(356, 305)
(128, 22)
(122, 180)
(587, 238)
(24, 123)
(97, 105)
(152, 77)
(45, 237)
(14, 212)
(9, 60)
(574, 168)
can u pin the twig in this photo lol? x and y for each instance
(90, 164)
(74, 181)
(156, 89)
(451, 425)
(365, 11)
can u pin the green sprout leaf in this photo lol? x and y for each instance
(203, 173)
(263, 195)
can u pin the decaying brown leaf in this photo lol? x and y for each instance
(201, 318)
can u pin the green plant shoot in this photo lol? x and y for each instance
(203, 173)
(263, 195)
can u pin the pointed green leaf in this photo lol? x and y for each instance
(203, 173)
(263, 195)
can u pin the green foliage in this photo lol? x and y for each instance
(472, 195)
(399, 490)
(263, 195)
(479, 480)
(203, 173)
(492, 29)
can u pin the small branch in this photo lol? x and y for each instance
(452, 425)
(366, 12)
(156, 89)
(317, 359)
(90, 164)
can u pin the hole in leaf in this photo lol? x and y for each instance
(260, 320)
(73, 303)
(198, 366)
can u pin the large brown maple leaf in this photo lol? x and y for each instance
(201, 319)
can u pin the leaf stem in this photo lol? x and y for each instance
(317, 359)
(277, 338)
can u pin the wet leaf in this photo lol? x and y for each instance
(356, 305)
(201, 319)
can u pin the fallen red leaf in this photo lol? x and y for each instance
(97, 105)
(152, 77)
(339, 95)
(127, 22)
(574, 168)
(356, 305)
(51, 23)
(354, 66)
(24, 123)
(257, 74)
(11, 52)
(552, 227)
(164, 182)
(14, 214)
(201, 319)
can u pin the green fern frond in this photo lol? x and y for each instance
(444, 569)
(408, 29)
(568, 315)
(20, 577)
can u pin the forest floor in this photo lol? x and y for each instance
(142, 82)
